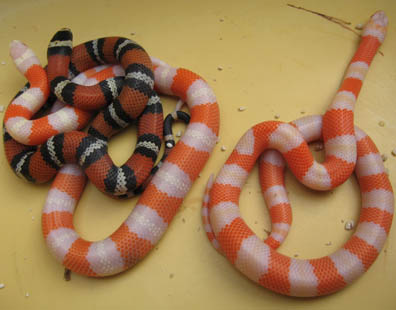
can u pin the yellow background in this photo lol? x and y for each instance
(276, 60)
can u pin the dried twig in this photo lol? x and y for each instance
(320, 14)
(333, 19)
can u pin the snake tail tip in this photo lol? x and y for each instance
(210, 181)
(17, 48)
(380, 18)
(14, 43)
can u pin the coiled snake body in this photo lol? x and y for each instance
(164, 193)
(259, 260)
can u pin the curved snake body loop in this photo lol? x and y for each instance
(90, 150)
(159, 202)
(259, 260)
(31, 98)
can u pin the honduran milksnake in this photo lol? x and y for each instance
(259, 260)
(165, 192)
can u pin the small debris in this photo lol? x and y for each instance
(277, 116)
(359, 27)
(223, 148)
(384, 157)
(255, 222)
(333, 19)
(67, 274)
(241, 109)
(394, 152)
(171, 275)
(27, 294)
(328, 243)
(221, 20)
(32, 218)
(133, 33)
(178, 134)
(3, 63)
(381, 123)
(267, 232)
(2, 285)
(1, 108)
(199, 175)
(169, 145)
(342, 221)
(183, 220)
(295, 255)
(220, 39)
(220, 68)
(302, 111)
(349, 225)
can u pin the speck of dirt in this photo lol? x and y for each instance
(67, 274)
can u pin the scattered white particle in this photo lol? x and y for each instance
(32, 218)
(223, 148)
(394, 152)
(169, 145)
(220, 68)
(27, 294)
(3, 63)
(1, 108)
(359, 27)
(349, 225)
(381, 123)
(318, 147)
(328, 243)
(178, 134)
(277, 116)
(384, 157)
(241, 109)
(2, 285)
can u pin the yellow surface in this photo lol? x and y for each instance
(276, 60)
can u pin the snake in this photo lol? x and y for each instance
(347, 149)
(158, 204)
(40, 164)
